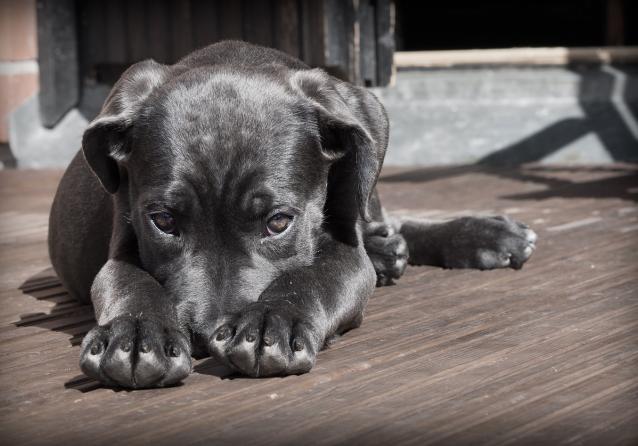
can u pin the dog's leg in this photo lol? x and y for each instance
(388, 251)
(138, 342)
(282, 332)
(469, 242)
(385, 246)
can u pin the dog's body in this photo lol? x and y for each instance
(225, 206)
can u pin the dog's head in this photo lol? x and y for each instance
(231, 175)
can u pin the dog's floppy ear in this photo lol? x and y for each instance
(346, 140)
(104, 142)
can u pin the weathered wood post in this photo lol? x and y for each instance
(58, 59)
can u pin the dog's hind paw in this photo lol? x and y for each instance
(488, 243)
(135, 353)
(388, 252)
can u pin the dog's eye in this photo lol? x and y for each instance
(278, 223)
(164, 221)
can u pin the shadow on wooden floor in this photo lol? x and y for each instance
(75, 319)
(618, 181)
(67, 316)
(545, 355)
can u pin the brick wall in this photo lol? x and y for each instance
(18, 57)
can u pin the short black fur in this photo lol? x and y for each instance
(221, 142)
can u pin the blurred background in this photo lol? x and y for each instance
(493, 82)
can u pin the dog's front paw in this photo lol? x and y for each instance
(489, 243)
(266, 339)
(388, 252)
(135, 353)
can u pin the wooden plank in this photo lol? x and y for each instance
(366, 16)
(286, 29)
(312, 25)
(91, 37)
(181, 25)
(385, 41)
(516, 56)
(340, 39)
(258, 22)
(231, 23)
(158, 12)
(206, 22)
(443, 357)
(137, 30)
(58, 59)
(615, 23)
(116, 37)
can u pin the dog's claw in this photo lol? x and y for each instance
(223, 333)
(297, 345)
(173, 351)
(96, 349)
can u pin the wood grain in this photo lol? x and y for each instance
(546, 355)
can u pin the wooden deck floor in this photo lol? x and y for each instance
(545, 355)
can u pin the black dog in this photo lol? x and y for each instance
(226, 206)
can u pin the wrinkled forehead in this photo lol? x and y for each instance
(229, 135)
(228, 109)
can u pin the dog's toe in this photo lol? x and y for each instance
(278, 345)
(389, 256)
(135, 353)
(490, 243)
(530, 236)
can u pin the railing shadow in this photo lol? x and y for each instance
(66, 316)
(75, 319)
(608, 98)
(613, 181)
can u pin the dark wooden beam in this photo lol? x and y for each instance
(231, 20)
(136, 27)
(258, 22)
(384, 15)
(286, 27)
(367, 42)
(182, 25)
(312, 19)
(206, 22)
(159, 18)
(58, 59)
(351, 39)
(615, 23)
(341, 52)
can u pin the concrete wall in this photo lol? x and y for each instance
(512, 115)
(503, 115)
